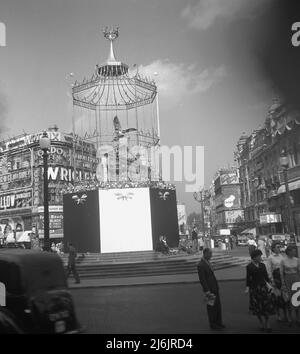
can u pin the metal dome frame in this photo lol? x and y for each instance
(112, 89)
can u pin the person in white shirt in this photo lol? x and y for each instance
(273, 268)
(261, 245)
(251, 245)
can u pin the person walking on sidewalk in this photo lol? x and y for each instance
(210, 288)
(262, 302)
(261, 245)
(72, 263)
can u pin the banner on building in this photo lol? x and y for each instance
(229, 178)
(16, 200)
(55, 221)
(269, 218)
(224, 232)
(234, 216)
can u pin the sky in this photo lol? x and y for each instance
(204, 51)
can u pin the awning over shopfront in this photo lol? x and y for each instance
(292, 186)
(249, 232)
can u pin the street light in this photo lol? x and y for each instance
(157, 109)
(70, 95)
(199, 197)
(284, 162)
(45, 147)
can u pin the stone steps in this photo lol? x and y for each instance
(139, 264)
(135, 257)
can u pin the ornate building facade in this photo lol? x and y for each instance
(21, 180)
(263, 191)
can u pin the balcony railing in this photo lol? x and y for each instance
(293, 173)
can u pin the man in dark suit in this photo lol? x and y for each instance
(210, 286)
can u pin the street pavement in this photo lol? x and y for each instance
(164, 309)
(165, 304)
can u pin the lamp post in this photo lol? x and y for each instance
(70, 95)
(199, 197)
(45, 147)
(284, 162)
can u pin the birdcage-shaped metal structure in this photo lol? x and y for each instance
(117, 110)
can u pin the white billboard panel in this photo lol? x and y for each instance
(125, 220)
(224, 232)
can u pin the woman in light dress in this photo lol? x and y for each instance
(273, 268)
(290, 274)
(261, 245)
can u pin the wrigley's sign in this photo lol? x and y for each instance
(67, 174)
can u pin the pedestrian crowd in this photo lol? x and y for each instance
(57, 248)
(270, 276)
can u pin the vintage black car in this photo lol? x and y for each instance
(37, 296)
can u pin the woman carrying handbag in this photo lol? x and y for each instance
(261, 297)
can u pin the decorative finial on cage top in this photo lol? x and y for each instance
(111, 34)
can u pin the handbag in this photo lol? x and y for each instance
(270, 287)
(285, 294)
(210, 299)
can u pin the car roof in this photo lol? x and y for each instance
(28, 271)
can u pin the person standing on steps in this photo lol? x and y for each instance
(72, 263)
(195, 239)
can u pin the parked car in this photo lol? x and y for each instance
(37, 296)
(242, 240)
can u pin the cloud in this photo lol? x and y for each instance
(205, 13)
(175, 81)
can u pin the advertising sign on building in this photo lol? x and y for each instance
(15, 171)
(55, 221)
(229, 178)
(224, 232)
(234, 216)
(52, 209)
(20, 142)
(59, 173)
(16, 200)
(229, 202)
(58, 155)
(269, 218)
